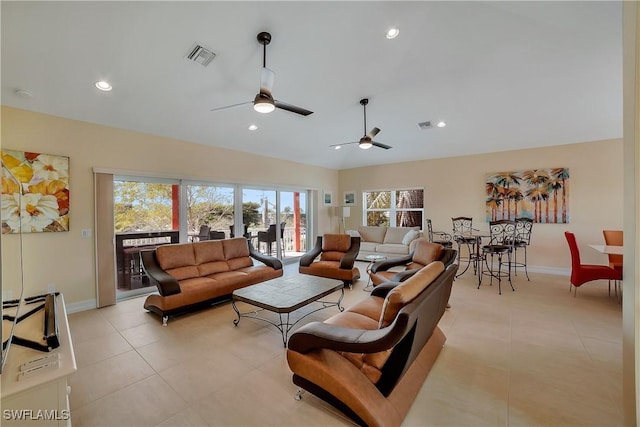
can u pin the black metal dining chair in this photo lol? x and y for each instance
(502, 240)
(441, 237)
(524, 227)
(463, 236)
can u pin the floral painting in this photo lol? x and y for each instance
(539, 194)
(35, 192)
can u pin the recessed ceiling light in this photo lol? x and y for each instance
(392, 33)
(253, 127)
(441, 124)
(103, 85)
(337, 147)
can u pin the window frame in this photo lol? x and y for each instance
(393, 210)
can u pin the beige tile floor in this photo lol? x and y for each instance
(533, 357)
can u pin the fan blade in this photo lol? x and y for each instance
(380, 145)
(373, 133)
(267, 77)
(231, 106)
(344, 143)
(292, 108)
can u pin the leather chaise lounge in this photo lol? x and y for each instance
(191, 275)
(371, 360)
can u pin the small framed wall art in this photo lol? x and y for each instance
(349, 198)
(327, 198)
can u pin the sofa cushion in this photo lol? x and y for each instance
(410, 237)
(208, 250)
(235, 248)
(368, 246)
(393, 248)
(407, 291)
(240, 262)
(360, 317)
(336, 242)
(182, 273)
(396, 234)
(178, 255)
(210, 257)
(426, 252)
(372, 234)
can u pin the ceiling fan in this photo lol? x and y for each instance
(366, 141)
(263, 101)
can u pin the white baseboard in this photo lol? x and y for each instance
(548, 270)
(75, 307)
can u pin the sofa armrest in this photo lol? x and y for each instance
(307, 259)
(389, 263)
(349, 258)
(267, 260)
(384, 288)
(448, 256)
(166, 283)
(318, 335)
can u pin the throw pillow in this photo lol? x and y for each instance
(410, 236)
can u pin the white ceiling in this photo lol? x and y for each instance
(503, 75)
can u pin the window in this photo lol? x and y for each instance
(143, 206)
(209, 205)
(394, 208)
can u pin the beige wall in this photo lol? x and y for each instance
(455, 187)
(66, 259)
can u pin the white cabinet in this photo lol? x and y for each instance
(42, 399)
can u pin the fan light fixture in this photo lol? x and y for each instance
(263, 104)
(365, 145)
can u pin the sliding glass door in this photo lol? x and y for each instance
(145, 216)
(276, 221)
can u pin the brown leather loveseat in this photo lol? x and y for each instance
(371, 360)
(189, 275)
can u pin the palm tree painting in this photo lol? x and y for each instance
(539, 194)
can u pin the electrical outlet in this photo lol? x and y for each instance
(51, 288)
(86, 233)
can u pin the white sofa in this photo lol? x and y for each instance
(391, 242)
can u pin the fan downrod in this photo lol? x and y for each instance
(264, 38)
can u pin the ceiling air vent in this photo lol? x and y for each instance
(201, 55)
(425, 125)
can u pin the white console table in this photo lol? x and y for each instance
(43, 398)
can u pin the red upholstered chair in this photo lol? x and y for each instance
(583, 273)
(337, 255)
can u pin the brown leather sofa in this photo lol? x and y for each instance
(423, 254)
(190, 275)
(371, 360)
(337, 254)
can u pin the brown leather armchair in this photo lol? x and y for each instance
(337, 253)
(424, 253)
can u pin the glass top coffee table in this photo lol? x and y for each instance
(285, 295)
